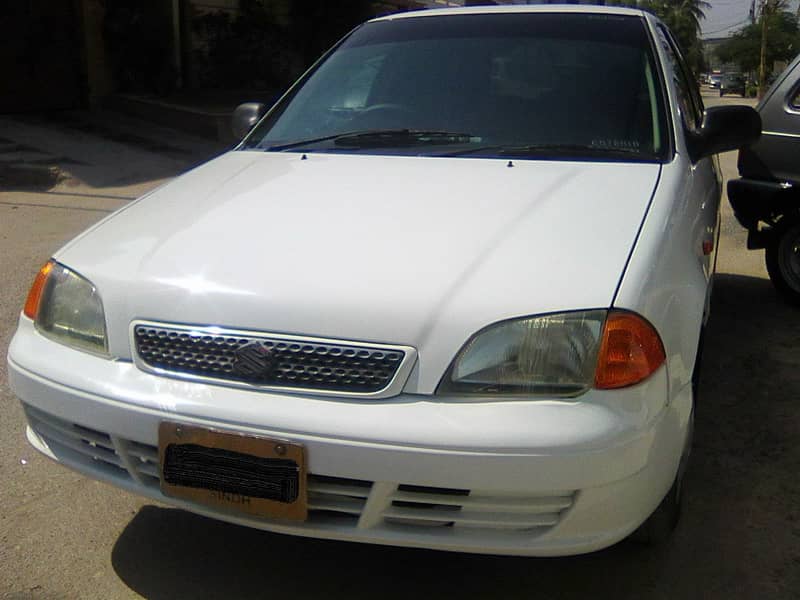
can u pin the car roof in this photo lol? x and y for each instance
(506, 9)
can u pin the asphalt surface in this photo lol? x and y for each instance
(65, 536)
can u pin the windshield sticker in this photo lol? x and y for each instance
(613, 143)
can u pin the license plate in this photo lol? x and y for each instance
(258, 476)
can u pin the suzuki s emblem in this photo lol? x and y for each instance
(253, 361)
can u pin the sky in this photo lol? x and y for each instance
(727, 16)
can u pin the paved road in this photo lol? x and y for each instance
(64, 536)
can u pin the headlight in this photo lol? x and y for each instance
(556, 355)
(67, 309)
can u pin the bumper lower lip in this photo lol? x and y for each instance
(613, 455)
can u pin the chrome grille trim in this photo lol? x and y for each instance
(381, 377)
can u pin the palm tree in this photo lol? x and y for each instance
(683, 17)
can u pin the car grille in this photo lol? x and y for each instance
(332, 501)
(273, 361)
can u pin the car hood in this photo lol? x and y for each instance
(399, 250)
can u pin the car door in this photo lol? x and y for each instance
(704, 179)
(779, 147)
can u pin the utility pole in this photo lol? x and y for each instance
(768, 9)
(762, 68)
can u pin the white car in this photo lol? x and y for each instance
(448, 293)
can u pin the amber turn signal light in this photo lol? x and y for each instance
(35, 295)
(630, 351)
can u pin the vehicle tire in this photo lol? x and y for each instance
(698, 367)
(721, 93)
(659, 526)
(783, 262)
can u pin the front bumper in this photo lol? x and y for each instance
(545, 477)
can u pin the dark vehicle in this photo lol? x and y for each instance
(766, 199)
(732, 84)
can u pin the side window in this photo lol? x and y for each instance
(794, 101)
(689, 101)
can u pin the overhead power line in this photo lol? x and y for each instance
(726, 27)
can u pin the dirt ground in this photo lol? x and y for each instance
(64, 536)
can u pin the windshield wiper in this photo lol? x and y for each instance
(551, 150)
(384, 137)
(409, 137)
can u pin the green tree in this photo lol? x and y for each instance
(318, 24)
(247, 50)
(683, 18)
(744, 47)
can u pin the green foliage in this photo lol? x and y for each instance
(249, 50)
(253, 50)
(744, 47)
(138, 40)
(318, 24)
(683, 19)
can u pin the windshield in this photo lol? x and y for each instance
(524, 84)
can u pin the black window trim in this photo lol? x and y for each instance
(670, 139)
(694, 95)
(791, 107)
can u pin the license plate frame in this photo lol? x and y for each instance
(250, 447)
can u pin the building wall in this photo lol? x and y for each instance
(40, 58)
(97, 70)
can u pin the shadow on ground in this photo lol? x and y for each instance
(98, 149)
(169, 553)
(27, 177)
(84, 122)
(739, 537)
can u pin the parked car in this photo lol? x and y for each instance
(714, 81)
(435, 298)
(732, 84)
(766, 198)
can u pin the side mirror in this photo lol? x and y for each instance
(245, 117)
(725, 128)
